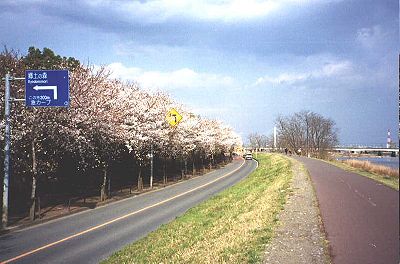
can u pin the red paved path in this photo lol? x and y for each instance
(360, 216)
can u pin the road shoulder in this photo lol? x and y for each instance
(299, 238)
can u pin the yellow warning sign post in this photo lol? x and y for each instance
(173, 117)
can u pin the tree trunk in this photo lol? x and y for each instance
(193, 164)
(185, 166)
(34, 177)
(109, 187)
(140, 180)
(103, 194)
(182, 169)
(165, 173)
(39, 208)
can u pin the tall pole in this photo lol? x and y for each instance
(308, 143)
(389, 140)
(151, 167)
(275, 138)
(4, 218)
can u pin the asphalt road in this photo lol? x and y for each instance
(360, 216)
(90, 236)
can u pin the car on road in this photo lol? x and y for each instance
(248, 156)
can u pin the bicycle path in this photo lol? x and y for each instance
(360, 216)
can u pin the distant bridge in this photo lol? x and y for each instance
(366, 150)
(339, 149)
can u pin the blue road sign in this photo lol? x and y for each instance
(46, 88)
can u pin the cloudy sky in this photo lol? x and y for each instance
(242, 61)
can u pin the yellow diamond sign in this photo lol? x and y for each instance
(173, 117)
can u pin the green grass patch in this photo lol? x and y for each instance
(392, 182)
(231, 227)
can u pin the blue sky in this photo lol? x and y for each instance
(243, 62)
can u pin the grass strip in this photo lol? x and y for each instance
(390, 181)
(231, 227)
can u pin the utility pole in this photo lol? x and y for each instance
(275, 138)
(7, 138)
(151, 166)
(7, 147)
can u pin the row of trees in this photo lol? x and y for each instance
(107, 133)
(307, 131)
(257, 141)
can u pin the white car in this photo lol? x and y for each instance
(248, 157)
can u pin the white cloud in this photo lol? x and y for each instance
(284, 78)
(178, 79)
(321, 70)
(371, 37)
(334, 69)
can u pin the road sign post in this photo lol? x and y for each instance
(42, 88)
(7, 138)
(151, 166)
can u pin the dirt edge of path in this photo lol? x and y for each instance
(300, 235)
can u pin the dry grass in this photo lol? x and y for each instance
(232, 227)
(373, 168)
(391, 181)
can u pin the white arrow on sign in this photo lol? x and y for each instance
(54, 88)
